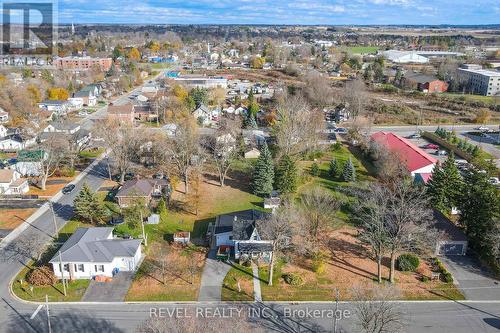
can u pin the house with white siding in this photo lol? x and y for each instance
(92, 252)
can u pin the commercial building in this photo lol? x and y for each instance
(83, 63)
(199, 81)
(479, 81)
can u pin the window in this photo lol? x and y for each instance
(99, 268)
(65, 266)
(79, 268)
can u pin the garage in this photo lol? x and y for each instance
(452, 240)
(447, 248)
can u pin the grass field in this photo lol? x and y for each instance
(474, 98)
(10, 218)
(362, 49)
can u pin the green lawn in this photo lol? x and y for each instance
(92, 153)
(473, 98)
(240, 274)
(364, 174)
(361, 49)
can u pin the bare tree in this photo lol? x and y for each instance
(407, 224)
(320, 209)
(279, 229)
(184, 150)
(375, 310)
(318, 89)
(297, 126)
(192, 323)
(355, 97)
(54, 149)
(123, 143)
(371, 215)
(223, 146)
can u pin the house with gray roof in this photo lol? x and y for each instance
(238, 230)
(91, 252)
(140, 189)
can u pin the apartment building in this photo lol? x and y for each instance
(480, 81)
(83, 63)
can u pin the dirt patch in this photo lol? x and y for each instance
(11, 218)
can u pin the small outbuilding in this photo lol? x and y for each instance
(182, 237)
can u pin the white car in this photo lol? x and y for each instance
(494, 180)
(441, 153)
(483, 128)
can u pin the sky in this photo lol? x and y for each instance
(312, 12)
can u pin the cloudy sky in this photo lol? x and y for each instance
(334, 12)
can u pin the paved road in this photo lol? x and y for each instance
(429, 317)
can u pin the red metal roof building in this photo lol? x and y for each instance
(416, 160)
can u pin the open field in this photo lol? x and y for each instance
(361, 49)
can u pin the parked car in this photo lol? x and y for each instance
(415, 136)
(441, 153)
(494, 181)
(482, 128)
(68, 188)
(341, 130)
(431, 146)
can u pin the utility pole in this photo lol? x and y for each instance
(48, 312)
(62, 273)
(335, 317)
(54, 219)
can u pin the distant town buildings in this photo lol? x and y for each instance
(479, 81)
(200, 81)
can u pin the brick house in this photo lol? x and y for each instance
(137, 189)
(425, 83)
(121, 113)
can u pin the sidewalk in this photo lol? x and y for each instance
(257, 295)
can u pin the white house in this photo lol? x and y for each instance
(239, 231)
(91, 252)
(29, 162)
(16, 142)
(4, 116)
(3, 131)
(56, 106)
(12, 183)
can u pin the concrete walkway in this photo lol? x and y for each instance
(257, 295)
(212, 278)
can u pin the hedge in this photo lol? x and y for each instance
(292, 279)
(451, 147)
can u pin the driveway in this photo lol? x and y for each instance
(475, 282)
(113, 291)
(212, 278)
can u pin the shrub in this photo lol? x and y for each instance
(425, 278)
(447, 277)
(408, 262)
(292, 279)
(315, 169)
(41, 276)
(318, 266)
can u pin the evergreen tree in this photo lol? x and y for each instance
(476, 151)
(335, 169)
(445, 185)
(250, 122)
(87, 205)
(315, 169)
(263, 174)
(162, 207)
(286, 175)
(349, 172)
(480, 212)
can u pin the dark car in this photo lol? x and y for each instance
(68, 188)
